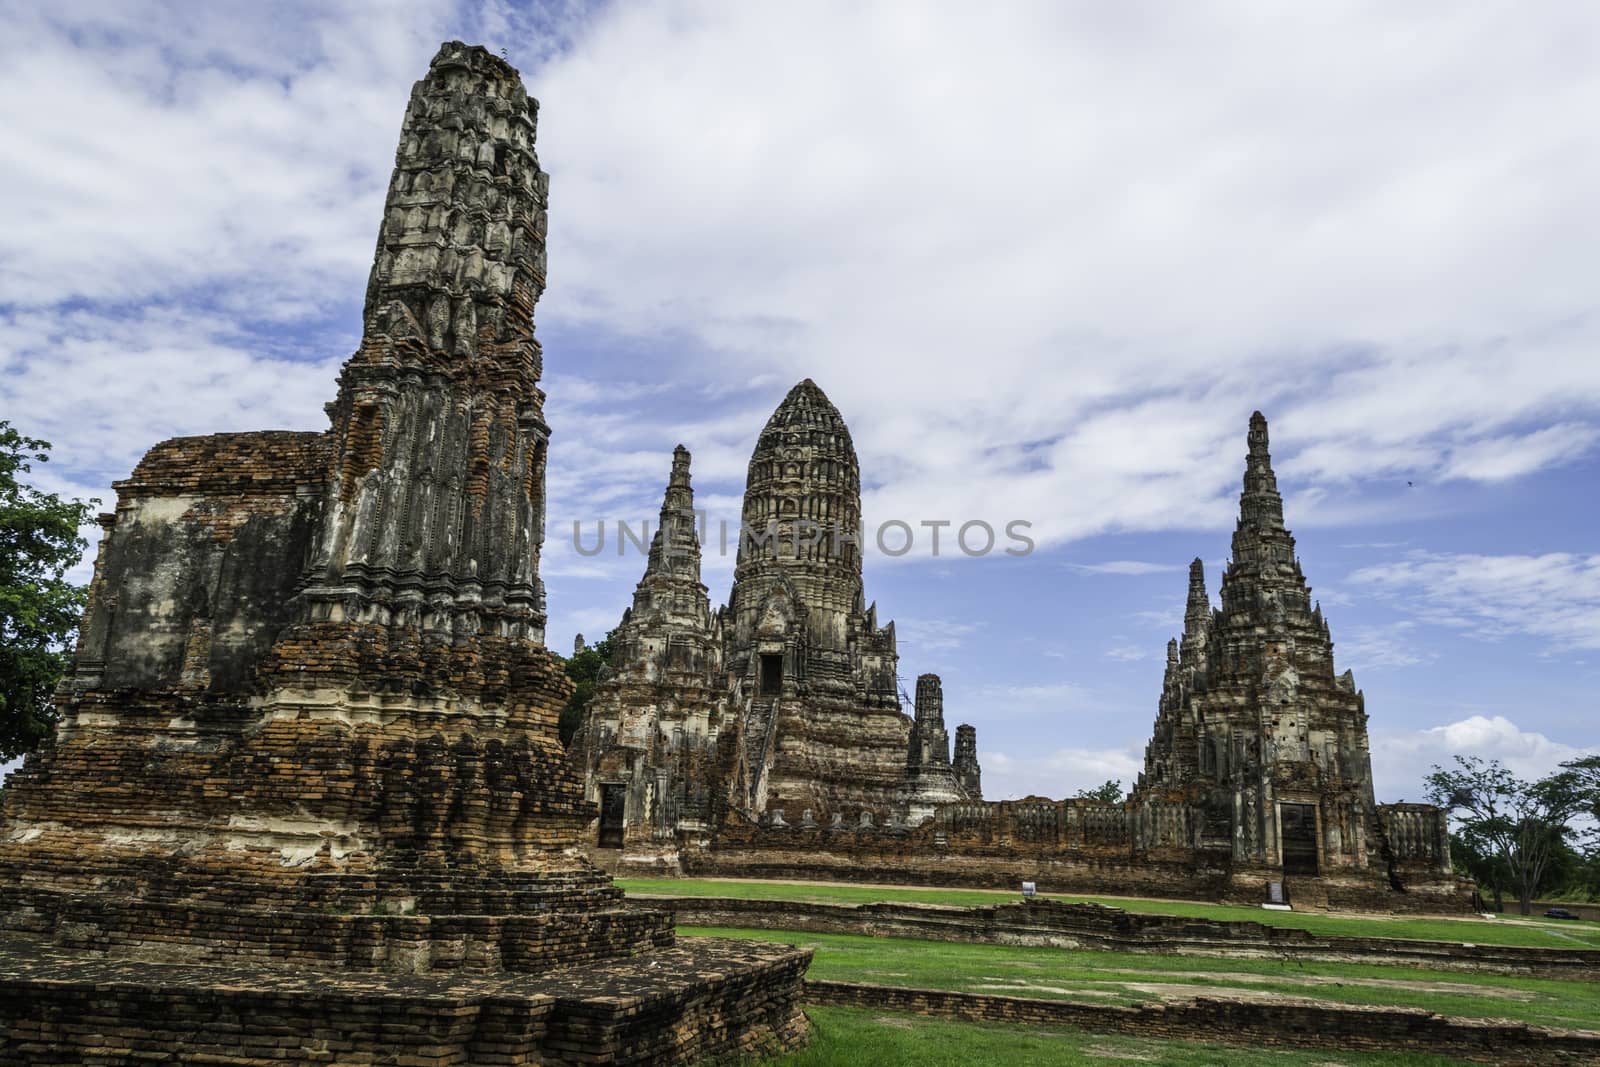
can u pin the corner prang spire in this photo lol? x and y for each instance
(676, 545)
(1260, 541)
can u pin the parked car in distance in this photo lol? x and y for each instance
(1559, 913)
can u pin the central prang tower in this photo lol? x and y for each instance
(812, 674)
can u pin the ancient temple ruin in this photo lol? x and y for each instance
(784, 706)
(1255, 730)
(1257, 783)
(307, 779)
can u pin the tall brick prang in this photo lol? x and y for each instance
(312, 726)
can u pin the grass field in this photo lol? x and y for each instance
(850, 1037)
(1124, 978)
(1537, 933)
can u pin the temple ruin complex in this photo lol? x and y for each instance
(766, 738)
(783, 705)
(307, 779)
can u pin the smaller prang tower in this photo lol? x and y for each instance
(647, 743)
(1254, 725)
(968, 773)
(930, 778)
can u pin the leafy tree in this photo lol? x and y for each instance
(39, 608)
(584, 670)
(1588, 771)
(1521, 825)
(1110, 792)
(1484, 868)
(1584, 882)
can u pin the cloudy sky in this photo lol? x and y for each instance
(1045, 259)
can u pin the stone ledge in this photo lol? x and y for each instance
(707, 997)
(1055, 924)
(1292, 1025)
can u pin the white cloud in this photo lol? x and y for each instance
(1402, 758)
(1125, 566)
(1555, 596)
(994, 702)
(1058, 774)
(1509, 456)
(1210, 215)
(932, 635)
(1386, 646)
(883, 202)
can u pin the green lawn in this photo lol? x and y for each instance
(849, 1037)
(1537, 933)
(1125, 978)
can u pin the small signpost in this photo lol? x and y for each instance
(1276, 901)
(1028, 890)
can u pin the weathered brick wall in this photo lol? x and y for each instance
(1282, 1025)
(210, 536)
(1073, 846)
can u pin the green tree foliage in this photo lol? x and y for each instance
(1110, 792)
(39, 608)
(1588, 771)
(1484, 868)
(1520, 826)
(584, 670)
(1583, 882)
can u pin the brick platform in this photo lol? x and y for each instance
(710, 998)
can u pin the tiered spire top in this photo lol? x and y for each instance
(680, 493)
(1260, 541)
(1261, 506)
(806, 405)
(676, 545)
(1198, 609)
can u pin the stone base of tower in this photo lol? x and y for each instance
(377, 857)
(921, 796)
(705, 998)
(836, 758)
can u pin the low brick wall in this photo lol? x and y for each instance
(1057, 924)
(912, 858)
(1286, 1025)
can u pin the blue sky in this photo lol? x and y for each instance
(1046, 259)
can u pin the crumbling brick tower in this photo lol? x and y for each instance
(930, 780)
(312, 727)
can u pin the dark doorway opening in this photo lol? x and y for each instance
(1300, 849)
(613, 802)
(771, 674)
